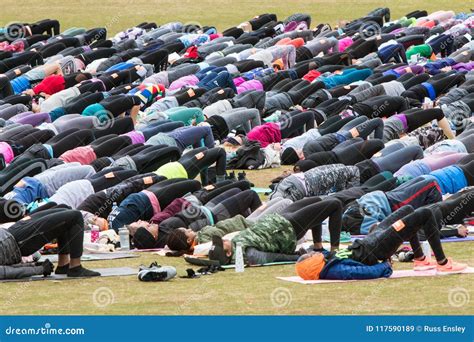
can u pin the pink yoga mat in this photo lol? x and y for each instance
(396, 274)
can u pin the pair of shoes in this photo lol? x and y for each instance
(231, 176)
(428, 264)
(75, 272)
(242, 176)
(156, 272)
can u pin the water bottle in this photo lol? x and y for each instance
(124, 239)
(94, 233)
(113, 214)
(239, 258)
(426, 248)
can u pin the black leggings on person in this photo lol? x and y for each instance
(38, 136)
(295, 123)
(381, 106)
(110, 146)
(309, 213)
(206, 196)
(65, 226)
(69, 140)
(27, 57)
(152, 157)
(402, 225)
(46, 26)
(110, 179)
(78, 104)
(456, 208)
(116, 126)
(17, 170)
(167, 191)
(194, 162)
(348, 155)
(421, 117)
(237, 204)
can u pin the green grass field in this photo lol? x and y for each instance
(256, 291)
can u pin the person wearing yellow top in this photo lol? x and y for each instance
(196, 162)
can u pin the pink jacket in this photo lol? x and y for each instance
(7, 152)
(82, 154)
(266, 134)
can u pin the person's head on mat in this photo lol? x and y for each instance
(144, 234)
(290, 156)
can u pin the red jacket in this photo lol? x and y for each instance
(50, 85)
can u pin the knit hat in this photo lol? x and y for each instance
(304, 165)
(289, 156)
(309, 266)
(143, 239)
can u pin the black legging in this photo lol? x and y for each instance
(309, 213)
(152, 157)
(402, 225)
(110, 146)
(456, 208)
(48, 26)
(194, 166)
(27, 57)
(69, 140)
(90, 56)
(110, 179)
(237, 204)
(38, 136)
(66, 226)
(440, 86)
(208, 195)
(118, 104)
(295, 123)
(115, 126)
(381, 106)
(17, 170)
(113, 79)
(349, 154)
(79, 103)
(167, 191)
(421, 117)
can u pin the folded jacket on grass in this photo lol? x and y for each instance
(395, 274)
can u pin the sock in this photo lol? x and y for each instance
(220, 179)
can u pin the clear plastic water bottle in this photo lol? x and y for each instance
(124, 239)
(426, 248)
(113, 214)
(239, 258)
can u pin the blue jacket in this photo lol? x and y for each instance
(31, 191)
(375, 207)
(451, 179)
(348, 269)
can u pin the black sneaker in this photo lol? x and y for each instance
(80, 271)
(62, 269)
(242, 176)
(48, 268)
(231, 176)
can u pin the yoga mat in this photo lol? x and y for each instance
(104, 272)
(262, 190)
(94, 257)
(278, 263)
(395, 275)
(451, 239)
